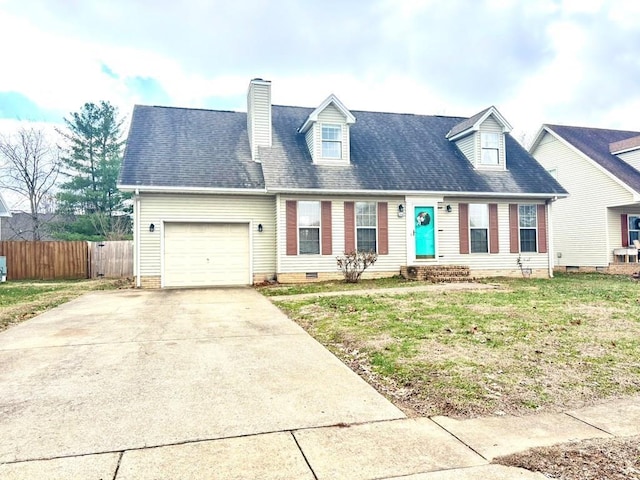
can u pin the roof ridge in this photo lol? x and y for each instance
(592, 128)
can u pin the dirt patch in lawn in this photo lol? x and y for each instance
(601, 459)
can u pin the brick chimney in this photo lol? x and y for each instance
(259, 115)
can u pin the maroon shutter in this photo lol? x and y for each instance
(542, 229)
(292, 227)
(463, 226)
(383, 229)
(349, 226)
(325, 225)
(514, 234)
(494, 242)
(624, 226)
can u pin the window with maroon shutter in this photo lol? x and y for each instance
(292, 227)
(383, 229)
(325, 226)
(624, 224)
(463, 227)
(514, 237)
(542, 229)
(349, 227)
(494, 242)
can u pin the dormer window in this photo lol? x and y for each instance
(490, 148)
(331, 141)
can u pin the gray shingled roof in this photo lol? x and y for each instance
(594, 142)
(466, 123)
(185, 147)
(390, 152)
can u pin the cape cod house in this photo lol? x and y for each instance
(597, 224)
(232, 198)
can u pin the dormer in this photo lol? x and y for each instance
(628, 151)
(481, 139)
(326, 132)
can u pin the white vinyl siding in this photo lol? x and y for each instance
(449, 240)
(632, 158)
(467, 146)
(490, 125)
(327, 263)
(585, 232)
(259, 116)
(249, 209)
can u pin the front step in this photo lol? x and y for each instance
(437, 273)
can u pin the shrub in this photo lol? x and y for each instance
(353, 264)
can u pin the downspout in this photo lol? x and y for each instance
(551, 260)
(136, 237)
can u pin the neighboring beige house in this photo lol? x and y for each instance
(233, 198)
(600, 169)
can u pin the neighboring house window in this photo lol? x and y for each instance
(634, 229)
(490, 147)
(479, 227)
(309, 228)
(527, 224)
(331, 141)
(366, 226)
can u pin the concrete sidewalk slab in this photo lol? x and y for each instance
(485, 472)
(618, 417)
(383, 449)
(269, 457)
(89, 467)
(496, 436)
(152, 372)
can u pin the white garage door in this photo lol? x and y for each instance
(206, 254)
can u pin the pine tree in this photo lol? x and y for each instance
(91, 164)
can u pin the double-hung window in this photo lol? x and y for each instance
(309, 228)
(366, 227)
(490, 148)
(479, 227)
(331, 141)
(528, 226)
(634, 228)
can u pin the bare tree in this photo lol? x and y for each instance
(30, 166)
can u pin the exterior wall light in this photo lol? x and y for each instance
(400, 210)
(260, 227)
(152, 228)
(449, 208)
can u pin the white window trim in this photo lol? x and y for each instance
(629, 229)
(497, 149)
(339, 141)
(520, 228)
(319, 227)
(487, 228)
(355, 220)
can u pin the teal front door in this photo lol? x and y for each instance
(425, 235)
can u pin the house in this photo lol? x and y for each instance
(4, 212)
(21, 227)
(600, 168)
(228, 198)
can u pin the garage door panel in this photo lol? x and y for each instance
(206, 254)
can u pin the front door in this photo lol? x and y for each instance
(425, 235)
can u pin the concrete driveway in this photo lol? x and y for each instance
(127, 370)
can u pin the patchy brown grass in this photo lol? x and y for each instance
(22, 300)
(601, 459)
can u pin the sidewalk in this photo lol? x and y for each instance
(438, 448)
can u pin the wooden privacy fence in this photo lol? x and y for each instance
(67, 260)
(111, 259)
(45, 260)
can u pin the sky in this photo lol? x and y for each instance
(572, 62)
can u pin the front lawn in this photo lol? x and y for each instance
(24, 299)
(530, 345)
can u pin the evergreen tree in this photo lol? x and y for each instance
(91, 164)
